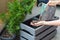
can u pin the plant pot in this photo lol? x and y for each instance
(29, 32)
(7, 36)
(11, 38)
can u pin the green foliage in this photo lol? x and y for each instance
(3, 17)
(27, 5)
(17, 11)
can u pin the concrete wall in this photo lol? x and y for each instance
(3, 5)
(35, 11)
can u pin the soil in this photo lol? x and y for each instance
(29, 21)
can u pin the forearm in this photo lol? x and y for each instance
(56, 23)
(56, 1)
(59, 2)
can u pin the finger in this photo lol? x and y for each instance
(32, 23)
(52, 5)
(36, 24)
(49, 2)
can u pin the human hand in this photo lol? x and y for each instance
(37, 23)
(52, 3)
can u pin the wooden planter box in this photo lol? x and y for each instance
(29, 32)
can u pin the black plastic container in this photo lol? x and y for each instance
(11, 38)
(6, 38)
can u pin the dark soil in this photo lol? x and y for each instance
(28, 23)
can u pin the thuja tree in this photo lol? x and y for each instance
(17, 11)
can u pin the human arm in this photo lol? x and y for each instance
(54, 3)
(54, 23)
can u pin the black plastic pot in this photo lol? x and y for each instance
(27, 22)
(10, 38)
(6, 38)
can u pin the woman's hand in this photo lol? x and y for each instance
(53, 3)
(37, 23)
